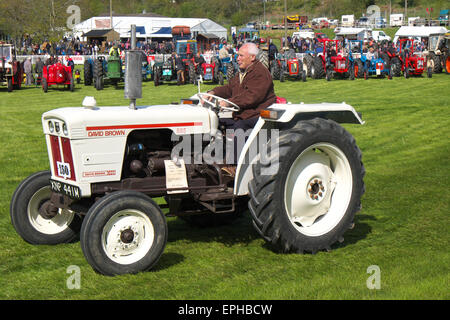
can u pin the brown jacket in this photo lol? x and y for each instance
(253, 94)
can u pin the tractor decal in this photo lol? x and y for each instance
(62, 158)
(146, 126)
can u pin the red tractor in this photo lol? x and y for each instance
(11, 70)
(330, 62)
(57, 74)
(287, 65)
(407, 60)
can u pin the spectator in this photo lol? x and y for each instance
(28, 69)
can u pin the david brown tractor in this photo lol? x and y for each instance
(286, 65)
(57, 74)
(11, 70)
(300, 173)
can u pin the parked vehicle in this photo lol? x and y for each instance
(432, 36)
(396, 20)
(286, 65)
(57, 75)
(380, 36)
(347, 20)
(443, 17)
(11, 70)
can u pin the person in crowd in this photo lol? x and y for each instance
(28, 69)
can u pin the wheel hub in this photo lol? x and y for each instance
(127, 236)
(316, 189)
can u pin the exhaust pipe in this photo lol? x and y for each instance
(133, 72)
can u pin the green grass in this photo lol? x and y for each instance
(403, 227)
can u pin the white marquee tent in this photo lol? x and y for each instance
(148, 27)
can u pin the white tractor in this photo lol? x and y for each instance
(299, 171)
(106, 164)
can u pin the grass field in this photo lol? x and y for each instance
(403, 227)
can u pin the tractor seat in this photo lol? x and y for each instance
(281, 100)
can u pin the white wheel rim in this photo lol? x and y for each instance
(57, 224)
(318, 189)
(128, 236)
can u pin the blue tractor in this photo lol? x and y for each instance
(363, 65)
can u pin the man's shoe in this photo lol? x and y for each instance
(229, 171)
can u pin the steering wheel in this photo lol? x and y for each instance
(215, 104)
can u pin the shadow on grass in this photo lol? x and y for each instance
(167, 260)
(239, 231)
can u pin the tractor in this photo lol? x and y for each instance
(11, 70)
(330, 62)
(110, 70)
(363, 67)
(98, 69)
(211, 70)
(299, 172)
(165, 71)
(57, 74)
(187, 49)
(409, 61)
(287, 65)
(302, 186)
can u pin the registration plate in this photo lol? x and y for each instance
(167, 72)
(66, 189)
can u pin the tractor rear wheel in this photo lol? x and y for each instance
(275, 70)
(436, 62)
(308, 199)
(87, 73)
(358, 69)
(191, 73)
(44, 85)
(307, 61)
(124, 232)
(317, 70)
(9, 83)
(447, 63)
(396, 67)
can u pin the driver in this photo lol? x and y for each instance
(251, 89)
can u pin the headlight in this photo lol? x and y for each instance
(57, 127)
(51, 127)
(65, 131)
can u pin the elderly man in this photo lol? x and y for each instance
(251, 89)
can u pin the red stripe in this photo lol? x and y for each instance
(56, 152)
(67, 154)
(146, 126)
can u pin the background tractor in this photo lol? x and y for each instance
(164, 71)
(57, 74)
(286, 65)
(11, 70)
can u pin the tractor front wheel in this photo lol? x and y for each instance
(124, 232)
(33, 217)
(306, 199)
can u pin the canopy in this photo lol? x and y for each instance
(422, 31)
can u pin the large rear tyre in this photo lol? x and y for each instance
(26, 210)
(317, 69)
(396, 67)
(124, 232)
(308, 198)
(87, 73)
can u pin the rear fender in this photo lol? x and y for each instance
(339, 112)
